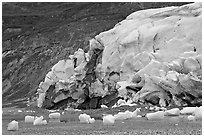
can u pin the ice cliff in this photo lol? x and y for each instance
(153, 56)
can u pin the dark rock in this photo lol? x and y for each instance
(113, 102)
(154, 100)
(136, 79)
(134, 88)
(63, 103)
(90, 67)
(84, 105)
(48, 103)
(108, 98)
(113, 73)
(94, 103)
(50, 93)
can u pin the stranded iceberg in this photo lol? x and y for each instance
(153, 56)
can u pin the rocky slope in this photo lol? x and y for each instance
(37, 35)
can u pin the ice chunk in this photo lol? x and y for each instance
(77, 110)
(121, 102)
(84, 118)
(44, 122)
(91, 120)
(29, 119)
(39, 121)
(128, 114)
(155, 116)
(198, 113)
(104, 106)
(172, 112)
(125, 115)
(157, 108)
(187, 110)
(151, 108)
(139, 116)
(20, 111)
(191, 118)
(120, 116)
(172, 75)
(108, 120)
(55, 115)
(13, 126)
(163, 108)
(135, 113)
(41, 99)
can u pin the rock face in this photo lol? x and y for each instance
(153, 56)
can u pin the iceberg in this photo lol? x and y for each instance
(12, 126)
(84, 118)
(29, 119)
(55, 115)
(108, 120)
(159, 115)
(172, 112)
